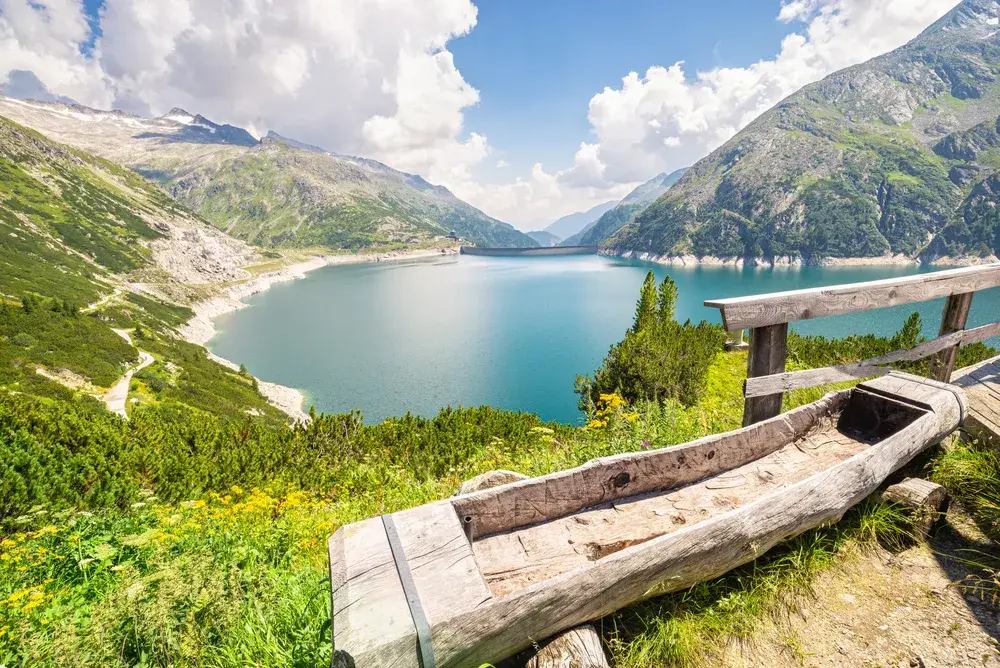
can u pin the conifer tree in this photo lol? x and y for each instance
(645, 308)
(667, 303)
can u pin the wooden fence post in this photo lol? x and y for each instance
(956, 311)
(768, 350)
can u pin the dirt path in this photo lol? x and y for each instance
(117, 396)
(890, 610)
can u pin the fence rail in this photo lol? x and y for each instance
(767, 317)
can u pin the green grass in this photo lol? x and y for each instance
(234, 581)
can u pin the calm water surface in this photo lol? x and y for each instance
(509, 332)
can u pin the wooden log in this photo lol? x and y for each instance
(768, 351)
(628, 474)
(956, 312)
(471, 626)
(925, 499)
(490, 479)
(779, 307)
(577, 648)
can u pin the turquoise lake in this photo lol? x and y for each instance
(417, 336)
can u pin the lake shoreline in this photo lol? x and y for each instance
(200, 328)
(712, 261)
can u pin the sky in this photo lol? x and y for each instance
(527, 109)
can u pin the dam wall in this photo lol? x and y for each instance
(529, 252)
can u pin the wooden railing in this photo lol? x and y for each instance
(767, 318)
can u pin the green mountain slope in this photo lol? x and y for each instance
(895, 156)
(604, 227)
(77, 234)
(276, 192)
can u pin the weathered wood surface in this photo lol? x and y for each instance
(795, 380)
(515, 559)
(768, 351)
(981, 383)
(490, 479)
(577, 648)
(956, 312)
(925, 499)
(611, 478)
(370, 613)
(487, 628)
(779, 307)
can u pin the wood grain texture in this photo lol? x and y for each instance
(611, 478)
(779, 307)
(515, 559)
(768, 352)
(981, 383)
(956, 312)
(370, 613)
(577, 648)
(924, 499)
(485, 628)
(794, 380)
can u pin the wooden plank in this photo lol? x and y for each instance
(768, 351)
(370, 613)
(956, 312)
(795, 380)
(981, 383)
(775, 308)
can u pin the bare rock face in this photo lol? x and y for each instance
(490, 479)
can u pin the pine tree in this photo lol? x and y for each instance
(645, 308)
(667, 303)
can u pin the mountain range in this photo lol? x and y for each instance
(898, 156)
(624, 211)
(271, 192)
(571, 224)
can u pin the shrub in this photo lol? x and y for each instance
(659, 358)
(23, 340)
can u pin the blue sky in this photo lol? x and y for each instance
(453, 89)
(537, 63)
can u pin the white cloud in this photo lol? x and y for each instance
(668, 118)
(45, 38)
(375, 78)
(357, 76)
(502, 163)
